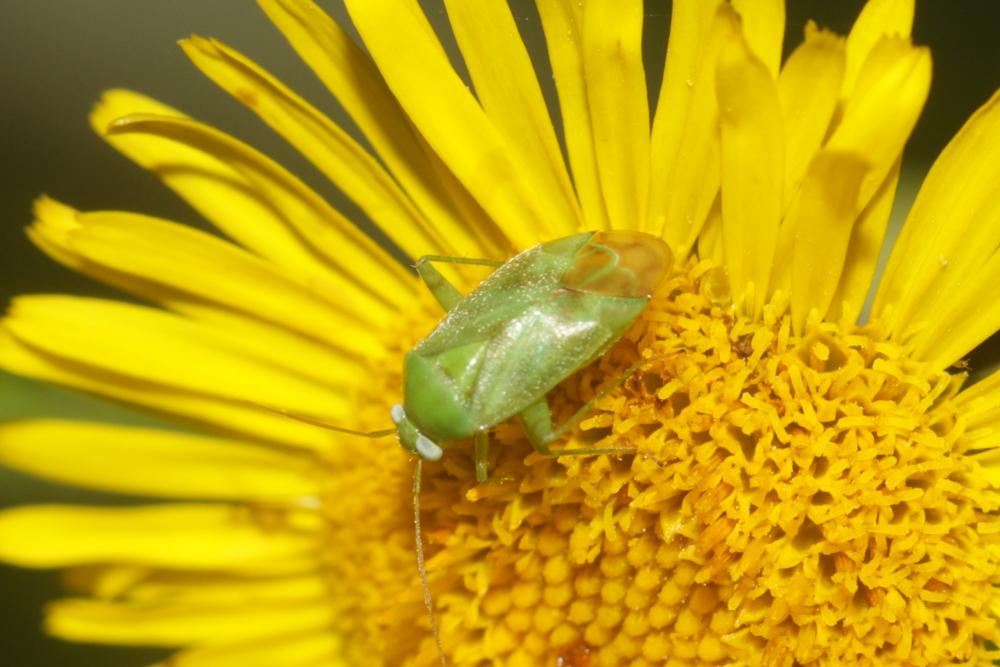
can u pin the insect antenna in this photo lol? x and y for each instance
(322, 423)
(421, 564)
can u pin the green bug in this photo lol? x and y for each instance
(533, 322)
(541, 316)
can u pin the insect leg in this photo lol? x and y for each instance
(537, 422)
(482, 444)
(445, 293)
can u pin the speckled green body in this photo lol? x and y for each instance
(503, 347)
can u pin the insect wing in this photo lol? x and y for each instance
(542, 347)
(504, 296)
(543, 315)
(619, 263)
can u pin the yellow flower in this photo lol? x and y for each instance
(804, 489)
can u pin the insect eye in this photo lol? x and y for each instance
(397, 413)
(428, 449)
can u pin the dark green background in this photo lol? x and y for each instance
(56, 56)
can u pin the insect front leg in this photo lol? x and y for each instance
(536, 420)
(445, 293)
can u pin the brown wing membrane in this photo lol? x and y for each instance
(619, 263)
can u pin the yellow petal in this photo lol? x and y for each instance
(619, 109)
(143, 584)
(170, 624)
(694, 179)
(764, 28)
(863, 251)
(356, 83)
(753, 154)
(215, 189)
(205, 411)
(197, 537)
(450, 119)
(980, 397)
(342, 159)
(506, 86)
(931, 262)
(368, 277)
(990, 462)
(56, 225)
(159, 347)
(971, 313)
(311, 649)
(152, 462)
(690, 24)
(562, 21)
(820, 223)
(202, 265)
(979, 408)
(809, 88)
(710, 239)
(878, 19)
(879, 115)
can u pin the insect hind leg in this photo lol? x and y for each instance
(536, 420)
(446, 294)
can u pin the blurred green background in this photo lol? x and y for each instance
(56, 56)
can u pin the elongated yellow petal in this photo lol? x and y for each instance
(875, 122)
(450, 119)
(224, 196)
(970, 314)
(157, 463)
(342, 159)
(990, 462)
(981, 396)
(170, 624)
(142, 584)
(809, 88)
(753, 156)
(203, 265)
(820, 222)
(764, 28)
(196, 537)
(879, 115)
(370, 277)
(878, 19)
(206, 411)
(334, 359)
(311, 649)
(690, 23)
(710, 239)
(355, 81)
(159, 347)
(506, 86)
(863, 251)
(931, 260)
(979, 406)
(619, 110)
(694, 179)
(562, 21)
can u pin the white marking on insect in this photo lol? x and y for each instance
(397, 413)
(428, 449)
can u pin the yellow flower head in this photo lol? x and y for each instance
(792, 482)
